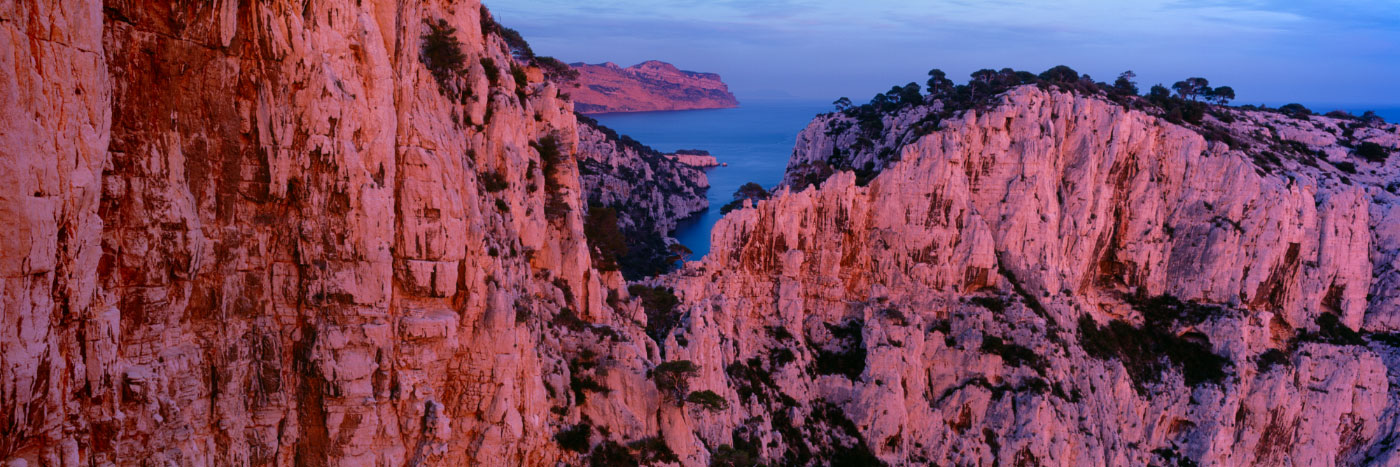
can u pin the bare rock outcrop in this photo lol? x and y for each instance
(646, 86)
(1058, 280)
(254, 233)
(336, 233)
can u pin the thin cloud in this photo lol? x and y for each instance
(1268, 50)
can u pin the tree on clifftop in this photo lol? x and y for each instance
(938, 83)
(1191, 88)
(1125, 84)
(1221, 95)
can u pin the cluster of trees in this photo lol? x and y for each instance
(520, 49)
(1199, 88)
(987, 83)
(441, 52)
(749, 191)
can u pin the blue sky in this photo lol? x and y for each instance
(1342, 52)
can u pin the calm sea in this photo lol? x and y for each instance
(755, 139)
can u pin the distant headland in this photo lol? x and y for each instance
(647, 86)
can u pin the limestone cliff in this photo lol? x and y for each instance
(1055, 279)
(646, 86)
(347, 233)
(296, 233)
(649, 191)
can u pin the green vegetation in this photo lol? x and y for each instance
(653, 450)
(849, 357)
(648, 252)
(1013, 354)
(1330, 330)
(522, 81)
(727, 456)
(555, 70)
(1147, 351)
(516, 43)
(580, 381)
(993, 304)
(750, 191)
(872, 149)
(493, 74)
(707, 400)
(673, 378)
(441, 53)
(1199, 89)
(1272, 358)
(659, 303)
(1373, 152)
(604, 239)
(575, 438)
(493, 182)
(551, 158)
(1295, 110)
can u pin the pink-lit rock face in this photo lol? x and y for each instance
(262, 233)
(1029, 222)
(258, 233)
(647, 86)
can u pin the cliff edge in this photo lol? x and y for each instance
(647, 86)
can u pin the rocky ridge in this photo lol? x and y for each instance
(647, 86)
(255, 233)
(1057, 279)
(286, 233)
(649, 191)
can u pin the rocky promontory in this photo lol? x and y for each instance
(647, 86)
(376, 233)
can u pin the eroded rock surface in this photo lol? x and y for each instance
(647, 86)
(985, 297)
(269, 233)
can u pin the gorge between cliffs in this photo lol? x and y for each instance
(372, 233)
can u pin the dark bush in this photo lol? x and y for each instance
(551, 158)
(727, 456)
(653, 450)
(994, 304)
(1373, 152)
(441, 52)
(673, 378)
(493, 74)
(1125, 84)
(1166, 311)
(781, 356)
(604, 239)
(849, 357)
(1013, 354)
(1330, 330)
(1146, 351)
(1272, 358)
(1060, 74)
(522, 81)
(749, 191)
(659, 303)
(493, 182)
(1295, 110)
(519, 48)
(610, 454)
(556, 70)
(708, 400)
(582, 384)
(575, 438)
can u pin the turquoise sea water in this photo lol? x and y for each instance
(755, 139)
